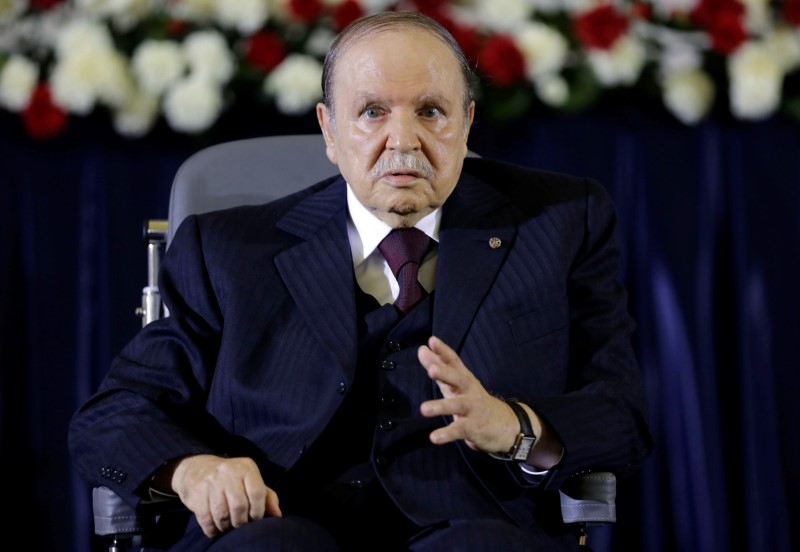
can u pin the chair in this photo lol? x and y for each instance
(253, 171)
(226, 175)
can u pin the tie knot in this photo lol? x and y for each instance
(404, 245)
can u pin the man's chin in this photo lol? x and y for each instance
(404, 210)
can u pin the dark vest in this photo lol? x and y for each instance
(378, 440)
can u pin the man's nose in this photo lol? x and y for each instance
(403, 133)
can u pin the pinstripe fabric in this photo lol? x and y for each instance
(260, 347)
(429, 483)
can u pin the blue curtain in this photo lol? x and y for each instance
(709, 225)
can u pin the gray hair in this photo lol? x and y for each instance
(371, 25)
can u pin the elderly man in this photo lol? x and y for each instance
(412, 355)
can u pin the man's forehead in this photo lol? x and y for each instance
(372, 69)
(411, 37)
(433, 96)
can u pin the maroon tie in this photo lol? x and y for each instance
(404, 249)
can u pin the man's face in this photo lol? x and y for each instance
(400, 131)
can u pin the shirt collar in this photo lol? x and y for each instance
(366, 231)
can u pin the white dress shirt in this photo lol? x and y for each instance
(373, 274)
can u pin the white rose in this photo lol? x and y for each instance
(319, 41)
(552, 89)
(137, 117)
(157, 64)
(208, 54)
(544, 48)
(757, 15)
(193, 104)
(197, 11)
(679, 56)
(124, 13)
(246, 16)
(295, 84)
(72, 82)
(18, 78)
(688, 94)
(112, 78)
(667, 8)
(755, 81)
(502, 15)
(86, 76)
(784, 45)
(375, 6)
(82, 34)
(10, 10)
(621, 64)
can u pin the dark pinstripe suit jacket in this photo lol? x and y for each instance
(261, 337)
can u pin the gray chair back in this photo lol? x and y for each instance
(246, 172)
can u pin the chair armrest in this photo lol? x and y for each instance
(589, 498)
(113, 516)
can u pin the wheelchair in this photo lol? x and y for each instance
(234, 173)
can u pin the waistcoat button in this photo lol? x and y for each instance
(386, 400)
(385, 425)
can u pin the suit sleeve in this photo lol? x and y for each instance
(149, 408)
(602, 420)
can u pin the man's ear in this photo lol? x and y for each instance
(325, 124)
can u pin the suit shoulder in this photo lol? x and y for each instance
(254, 217)
(514, 179)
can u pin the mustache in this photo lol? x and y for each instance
(402, 162)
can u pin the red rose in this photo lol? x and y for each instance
(727, 32)
(791, 12)
(307, 11)
(41, 118)
(600, 27)
(45, 4)
(345, 13)
(640, 10)
(501, 61)
(706, 13)
(431, 8)
(176, 28)
(265, 50)
(468, 39)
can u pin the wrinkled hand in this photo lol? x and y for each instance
(223, 492)
(483, 421)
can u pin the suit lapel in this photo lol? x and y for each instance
(318, 271)
(471, 251)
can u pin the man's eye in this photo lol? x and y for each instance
(431, 112)
(372, 112)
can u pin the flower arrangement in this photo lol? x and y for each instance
(189, 61)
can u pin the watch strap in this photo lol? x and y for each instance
(525, 441)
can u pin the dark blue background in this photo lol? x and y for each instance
(709, 223)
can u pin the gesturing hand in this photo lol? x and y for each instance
(483, 421)
(223, 492)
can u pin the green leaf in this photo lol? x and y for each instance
(506, 103)
(584, 90)
(792, 107)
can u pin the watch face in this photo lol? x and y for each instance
(525, 447)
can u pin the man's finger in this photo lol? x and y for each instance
(271, 504)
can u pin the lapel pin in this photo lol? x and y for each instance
(495, 242)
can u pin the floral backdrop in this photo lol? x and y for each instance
(186, 63)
